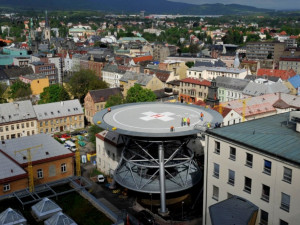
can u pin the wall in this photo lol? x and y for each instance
(15, 186)
(18, 129)
(37, 86)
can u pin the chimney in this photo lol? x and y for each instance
(62, 103)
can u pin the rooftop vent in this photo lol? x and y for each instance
(47, 153)
(24, 157)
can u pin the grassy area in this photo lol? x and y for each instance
(95, 172)
(73, 205)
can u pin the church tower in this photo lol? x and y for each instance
(47, 33)
(212, 97)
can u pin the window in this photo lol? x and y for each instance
(267, 167)
(41, 124)
(249, 160)
(63, 168)
(6, 128)
(265, 195)
(12, 127)
(248, 183)
(263, 217)
(215, 193)
(27, 124)
(23, 125)
(6, 187)
(282, 222)
(32, 124)
(232, 153)
(285, 202)
(40, 173)
(217, 147)
(287, 175)
(216, 170)
(231, 175)
(229, 195)
(1, 129)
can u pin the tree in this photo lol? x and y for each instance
(93, 130)
(194, 48)
(54, 93)
(19, 90)
(83, 81)
(189, 64)
(3, 88)
(139, 94)
(114, 100)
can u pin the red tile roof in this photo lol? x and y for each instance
(196, 81)
(143, 58)
(225, 110)
(290, 59)
(283, 74)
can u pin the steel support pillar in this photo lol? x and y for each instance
(162, 181)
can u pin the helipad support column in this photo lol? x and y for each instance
(162, 180)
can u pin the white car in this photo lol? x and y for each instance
(100, 178)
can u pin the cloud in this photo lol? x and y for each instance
(268, 4)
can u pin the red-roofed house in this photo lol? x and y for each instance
(230, 116)
(145, 58)
(283, 74)
(191, 90)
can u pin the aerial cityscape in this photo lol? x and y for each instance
(130, 112)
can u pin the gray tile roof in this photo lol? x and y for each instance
(58, 109)
(129, 76)
(270, 134)
(50, 148)
(16, 111)
(144, 79)
(255, 89)
(9, 168)
(211, 63)
(231, 83)
(102, 95)
(218, 69)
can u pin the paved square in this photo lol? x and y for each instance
(165, 116)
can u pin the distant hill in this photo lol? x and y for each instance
(133, 6)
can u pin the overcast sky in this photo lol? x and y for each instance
(268, 4)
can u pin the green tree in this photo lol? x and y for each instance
(19, 90)
(114, 100)
(189, 64)
(3, 88)
(253, 37)
(194, 48)
(139, 94)
(93, 130)
(54, 93)
(83, 81)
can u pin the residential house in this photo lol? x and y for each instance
(258, 161)
(111, 74)
(59, 116)
(50, 162)
(37, 82)
(145, 80)
(293, 85)
(230, 88)
(47, 69)
(230, 116)
(109, 146)
(178, 67)
(17, 119)
(208, 73)
(256, 89)
(292, 62)
(94, 63)
(95, 101)
(163, 75)
(283, 74)
(21, 61)
(192, 89)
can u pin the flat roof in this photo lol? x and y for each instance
(154, 119)
(270, 135)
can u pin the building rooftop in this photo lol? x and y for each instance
(271, 135)
(295, 81)
(283, 74)
(50, 148)
(9, 169)
(218, 69)
(196, 81)
(58, 109)
(256, 89)
(16, 111)
(102, 95)
(231, 83)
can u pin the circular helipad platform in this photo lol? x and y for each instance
(156, 119)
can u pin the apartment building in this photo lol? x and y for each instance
(59, 116)
(259, 161)
(37, 82)
(209, 73)
(17, 119)
(265, 50)
(111, 74)
(230, 89)
(47, 69)
(287, 63)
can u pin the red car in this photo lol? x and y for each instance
(65, 136)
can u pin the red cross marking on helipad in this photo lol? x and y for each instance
(157, 116)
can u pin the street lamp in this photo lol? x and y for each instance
(182, 209)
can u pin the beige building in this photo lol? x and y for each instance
(65, 116)
(17, 119)
(178, 67)
(95, 101)
(253, 160)
(287, 63)
(145, 80)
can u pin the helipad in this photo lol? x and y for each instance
(156, 119)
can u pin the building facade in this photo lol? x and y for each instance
(239, 162)
(191, 90)
(287, 63)
(111, 75)
(59, 117)
(18, 119)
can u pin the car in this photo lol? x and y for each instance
(100, 178)
(145, 218)
(83, 132)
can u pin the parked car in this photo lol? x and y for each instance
(100, 178)
(145, 218)
(66, 136)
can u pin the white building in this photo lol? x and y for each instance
(259, 161)
(208, 73)
(111, 75)
(109, 146)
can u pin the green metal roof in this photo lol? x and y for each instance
(272, 135)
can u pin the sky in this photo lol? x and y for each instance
(268, 4)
